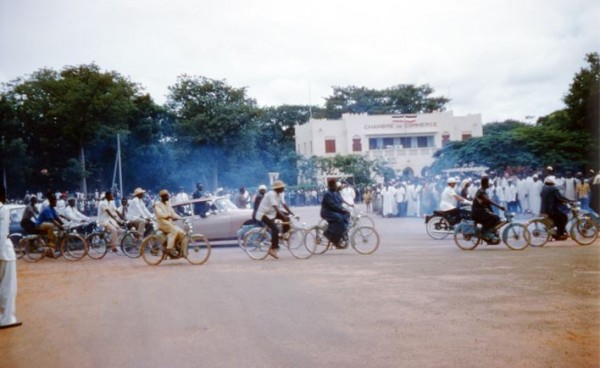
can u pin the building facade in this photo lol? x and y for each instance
(406, 142)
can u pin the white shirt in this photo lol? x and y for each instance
(74, 215)
(271, 198)
(348, 195)
(7, 251)
(448, 200)
(137, 209)
(103, 208)
(400, 194)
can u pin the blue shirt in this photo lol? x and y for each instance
(48, 214)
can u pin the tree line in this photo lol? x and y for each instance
(59, 131)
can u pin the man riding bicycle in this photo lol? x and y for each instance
(449, 201)
(165, 215)
(333, 211)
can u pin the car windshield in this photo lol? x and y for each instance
(224, 204)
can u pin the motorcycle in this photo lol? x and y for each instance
(440, 224)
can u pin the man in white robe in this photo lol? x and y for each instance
(523, 195)
(8, 269)
(570, 186)
(412, 193)
(535, 201)
(389, 206)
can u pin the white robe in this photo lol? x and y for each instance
(570, 184)
(389, 201)
(8, 272)
(535, 201)
(412, 194)
(523, 191)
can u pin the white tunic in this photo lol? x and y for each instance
(8, 271)
(523, 191)
(570, 185)
(535, 201)
(389, 206)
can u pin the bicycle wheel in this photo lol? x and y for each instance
(516, 236)
(152, 250)
(539, 234)
(15, 239)
(584, 231)
(97, 245)
(297, 245)
(364, 239)
(315, 241)
(130, 244)
(364, 220)
(73, 247)
(438, 228)
(198, 249)
(34, 248)
(257, 243)
(466, 241)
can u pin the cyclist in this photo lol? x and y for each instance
(138, 210)
(47, 221)
(109, 219)
(449, 201)
(30, 215)
(270, 209)
(336, 215)
(72, 214)
(165, 215)
(482, 211)
(552, 205)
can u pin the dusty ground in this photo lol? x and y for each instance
(416, 302)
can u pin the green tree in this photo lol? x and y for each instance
(399, 99)
(579, 94)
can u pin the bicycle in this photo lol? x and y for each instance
(467, 234)
(257, 241)
(71, 245)
(363, 239)
(583, 228)
(128, 239)
(154, 247)
(356, 219)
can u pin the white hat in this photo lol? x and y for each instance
(138, 191)
(451, 180)
(278, 184)
(262, 187)
(550, 179)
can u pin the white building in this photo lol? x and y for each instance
(406, 142)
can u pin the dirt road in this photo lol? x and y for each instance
(416, 302)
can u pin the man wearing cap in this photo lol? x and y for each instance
(165, 215)
(139, 212)
(552, 205)
(449, 200)
(270, 208)
(262, 189)
(8, 269)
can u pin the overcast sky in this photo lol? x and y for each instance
(501, 58)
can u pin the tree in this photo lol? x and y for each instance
(399, 99)
(579, 95)
(63, 113)
(215, 123)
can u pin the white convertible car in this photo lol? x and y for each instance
(223, 218)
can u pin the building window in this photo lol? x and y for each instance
(406, 142)
(421, 142)
(445, 139)
(375, 143)
(329, 145)
(356, 144)
(466, 135)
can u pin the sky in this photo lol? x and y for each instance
(503, 59)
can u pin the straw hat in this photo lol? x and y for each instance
(163, 192)
(278, 184)
(138, 191)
